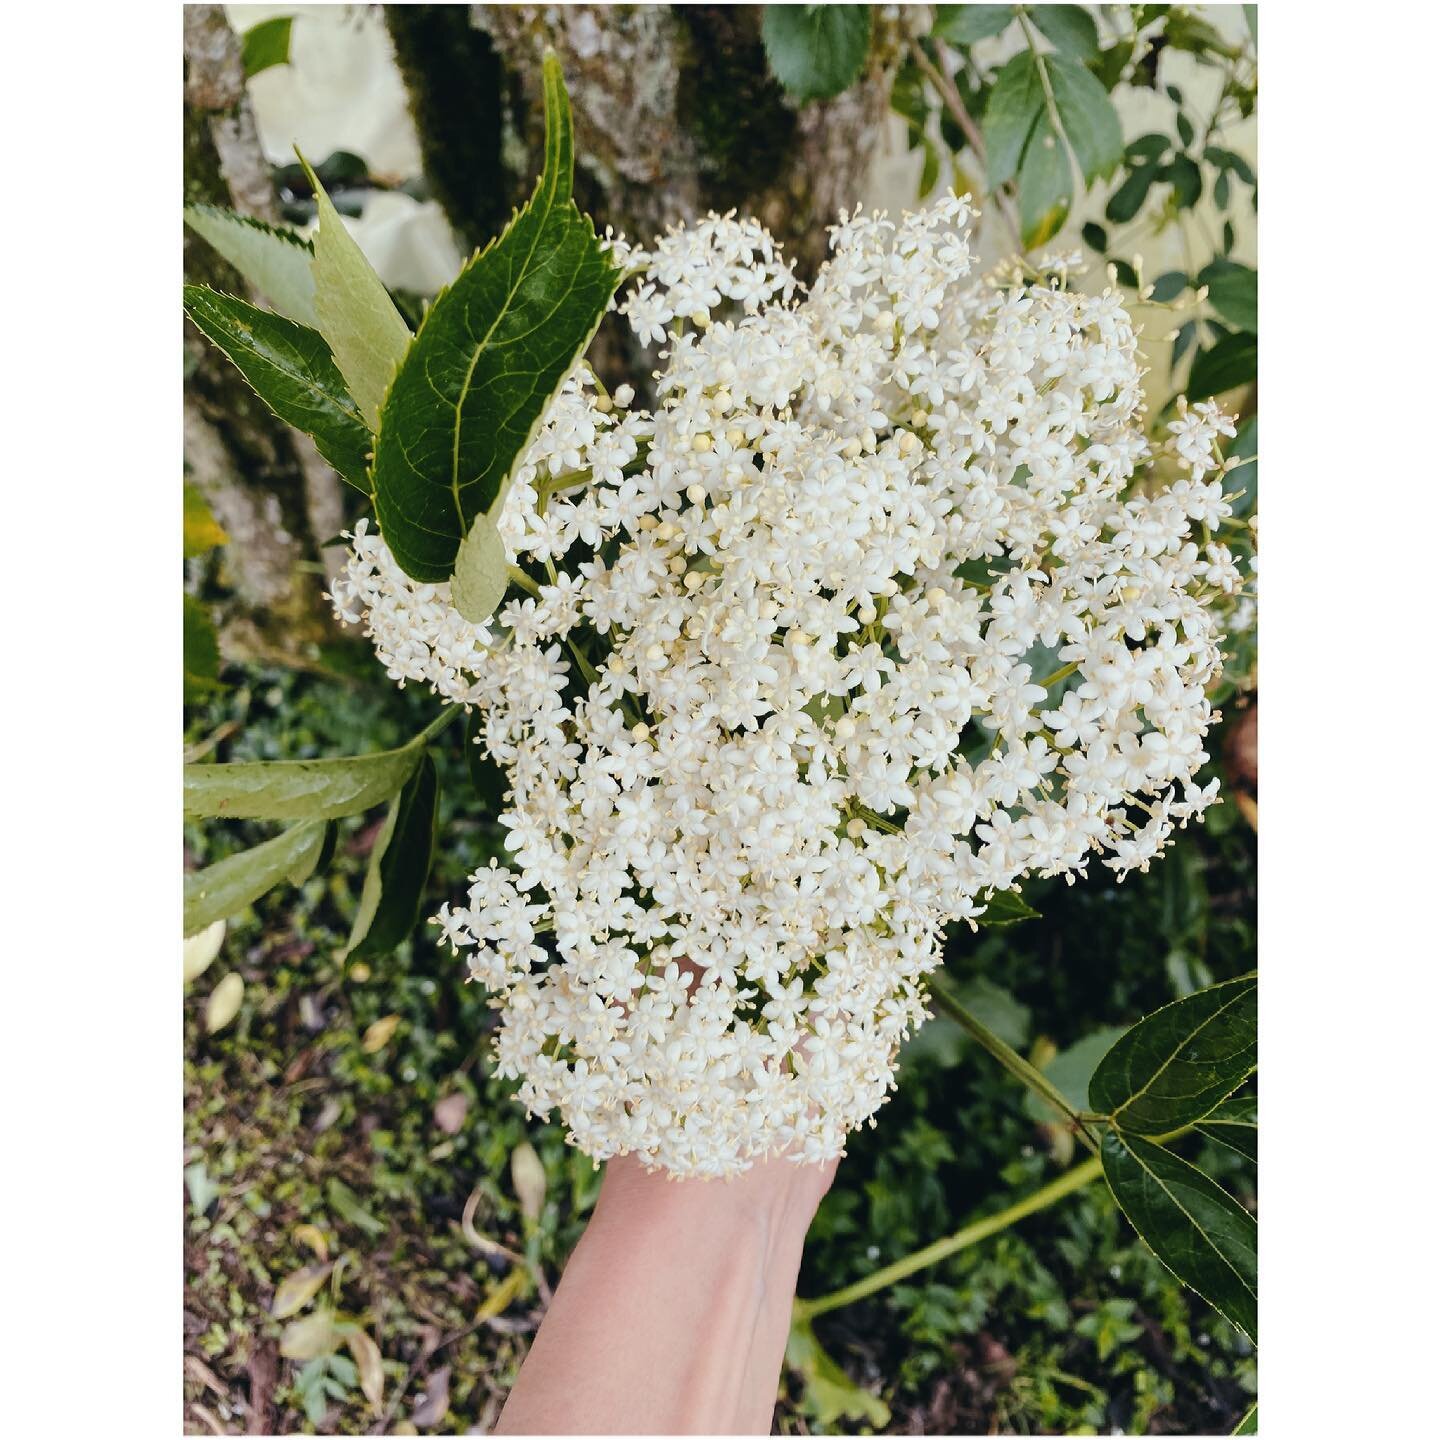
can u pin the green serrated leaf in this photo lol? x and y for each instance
(1045, 185)
(1234, 292)
(1087, 114)
(1016, 102)
(965, 24)
(1235, 1123)
(1202, 1235)
(482, 572)
(201, 531)
(1179, 1062)
(201, 653)
(1068, 28)
(399, 867)
(353, 311)
(491, 352)
(228, 886)
(266, 44)
(1226, 365)
(299, 789)
(275, 260)
(816, 51)
(289, 368)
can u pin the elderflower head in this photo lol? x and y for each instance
(864, 623)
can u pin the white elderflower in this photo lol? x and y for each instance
(864, 623)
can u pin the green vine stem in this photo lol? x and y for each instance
(1074, 1179)
(1015, 1063)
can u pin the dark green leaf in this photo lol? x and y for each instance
(908, 97)
(1068, 28)
(1168, 286)
(1235, 1123)
(1184, 339)
(1222, 191)
(1147, 147)
(816, 51)
(1179, 1062)
(276, 261)
(965, 24)
(201, 650)
(1245, 477)
(1088, 116)
(1225, 366)
(290, 369)
(1206, 1239)
(1045, 185)
(1234, 292)
(1070, 1071)
(1227, 238)
(1109, 65)
(1125, 203)
(1250, 1420)
(1005, 908)
(492, 350)
(1016, 102)
(1184, 129)
(1094, 236)
(228, 886)
(298, 789)
(266, 44)
(398, 868)
(1125, 273)
(1185, 179)
(930, 170)
(353, 311)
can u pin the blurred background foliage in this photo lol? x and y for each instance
(372, 1226)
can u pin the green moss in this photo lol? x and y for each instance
(456, 87)
(731, 104)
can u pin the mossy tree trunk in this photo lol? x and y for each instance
(676, 113)
(267, 485)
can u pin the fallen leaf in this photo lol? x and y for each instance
(527, 1173)
(201, 948)
(377, 1036)
(313, 1238)
(310, 1337)
(372, 1371)
(434, 1401)
(201, 1187)
(298, 1289)
(224, 1003)
(450, 1112)
(346, 1204)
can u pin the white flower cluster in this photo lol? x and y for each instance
(881, 610)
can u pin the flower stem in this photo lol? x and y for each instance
(1015, 1063)
(1074, 1179)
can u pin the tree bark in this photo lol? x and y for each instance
(268, 487)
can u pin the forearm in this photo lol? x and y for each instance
(672, 1313)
